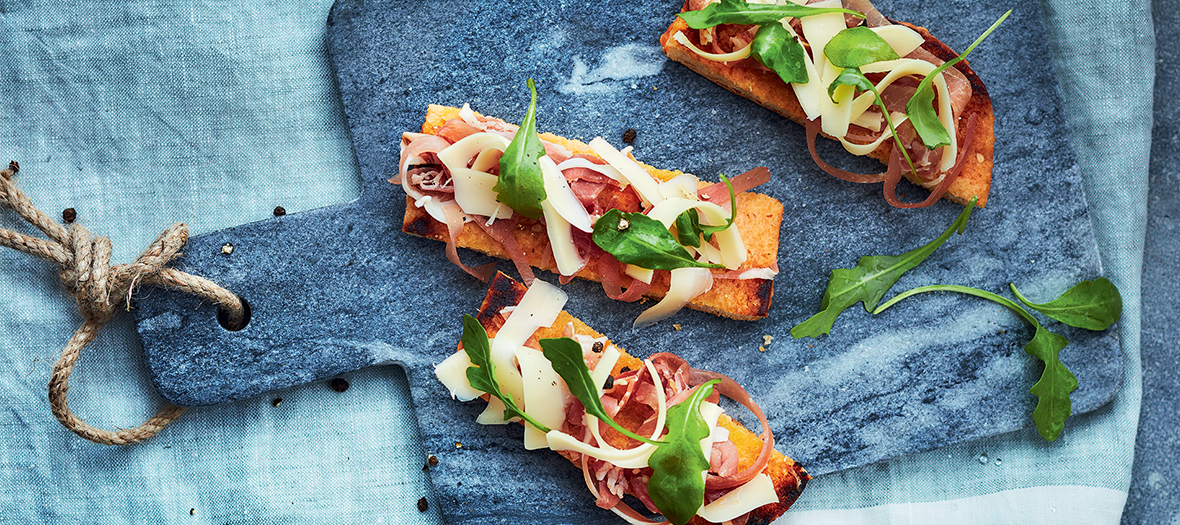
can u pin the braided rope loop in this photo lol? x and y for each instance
(85, 272)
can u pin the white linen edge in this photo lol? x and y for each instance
(1065, 504)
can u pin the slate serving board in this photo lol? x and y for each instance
(341, 288)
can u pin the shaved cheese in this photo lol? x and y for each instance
(562, 198)
(494, 413)
(811, 93)
(667, 211)
(755, 493)
(473, 187)
(487, 159)
(683, 186)
(902, 39)
(605, 169)
(474, 193)
(836, 115)
(685, 284)
(629, 458)
(435, 208)
(459, 154)
(544, 395)
(641, 274)
(909, 66)
(729, 241)
(759, 273)
(819, 30)
(645, 185)
(710, 412)
(865, 149)
(469, 117)
(537, 308)
(606, 363)
(867, 119)
(736, 54)
(452, 373)
(561, 239)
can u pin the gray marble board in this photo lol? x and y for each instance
(341, 288)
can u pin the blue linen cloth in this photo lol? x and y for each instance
(143, 113)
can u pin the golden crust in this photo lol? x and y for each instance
(765, 88)
(759, 218)
(788, 476)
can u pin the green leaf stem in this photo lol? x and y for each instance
(1056, 383)
(1093, 305)
(521, 185)
(739, 12)
(870, 280)
(634, 238)
(565, 355)
(482, 376)
(677, 485)
(920, 107)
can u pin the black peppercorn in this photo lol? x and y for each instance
(629, 136)
(69, 215)
(339, 384)
(423, 505)
(431, 461)
(597, 347)
(280, 211)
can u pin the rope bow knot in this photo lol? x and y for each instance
(85, 271)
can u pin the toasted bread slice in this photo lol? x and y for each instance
(765, 88)
(788, 476)
(758, 220)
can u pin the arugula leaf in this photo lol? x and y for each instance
(521, 185)
(482, 376)
(857, 46)
(708, 230)
(779, 50)
(676, 486)
(920, 107)
(634, 238)
(688, 224)
(870, 280)
(688, 228)
(1056, 383)
(1093, 305)
(566, 356)
(738, 12)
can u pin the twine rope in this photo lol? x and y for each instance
(84, 268)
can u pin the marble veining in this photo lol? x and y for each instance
(341, 288)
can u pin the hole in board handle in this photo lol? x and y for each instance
(223, 317)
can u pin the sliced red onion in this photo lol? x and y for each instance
(894, 173)
(812, 131)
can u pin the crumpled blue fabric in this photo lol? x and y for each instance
(143, 113)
